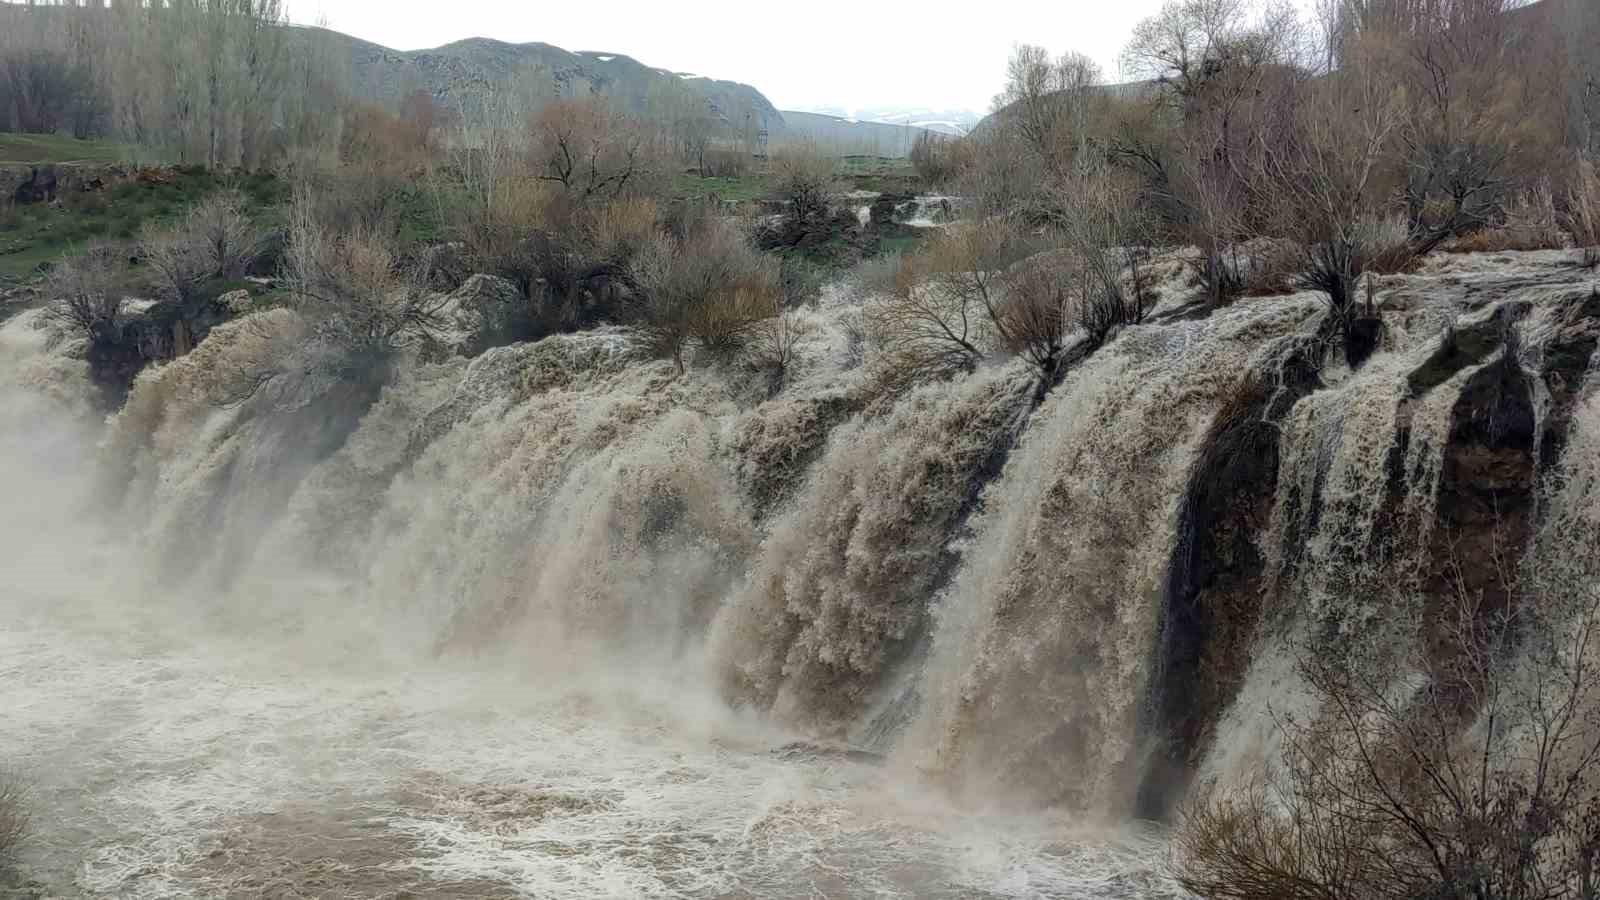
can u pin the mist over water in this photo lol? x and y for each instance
(559, 621)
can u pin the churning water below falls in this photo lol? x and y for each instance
(171, 764)
(196, 728)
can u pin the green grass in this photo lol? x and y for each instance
(33, 236)
(30, 149)
(689, 186)
(861, 166)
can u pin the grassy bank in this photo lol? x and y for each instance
(33, 236)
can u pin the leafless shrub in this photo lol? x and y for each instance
(1531, 219)
(804, 178)
(1035, 314)
(503, 232)
(86, 292)
(995, 285)
(937, 158)
(1103, 225)
(1250, 841)
(1583, 209)
(14, 817)
(855, 333)
(709, 288)
(1530, 223)
(935, 311)
(355, 290)
(214, 239)
(620, 230)
(774, 345)
(1386, 244)
(1273, 267)
(1441, 764)
(1004, 177)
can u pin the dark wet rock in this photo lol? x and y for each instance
(1216, 578)
(40, 187)
(486, 311)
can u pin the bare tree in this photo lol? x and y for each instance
(805, 179)
(933, 317)
(1224, 70)
(45, 87)
(1476, 115)
(591, 152)
(86, 292)
(1049, 103)
(1327, 175)
(214, 239)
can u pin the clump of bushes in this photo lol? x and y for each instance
(805, 179)
(997, 287)
(359, 294)
(705, 286)
(87, 293)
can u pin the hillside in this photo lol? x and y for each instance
(463, 72)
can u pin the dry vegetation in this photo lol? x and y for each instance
(1476, 781)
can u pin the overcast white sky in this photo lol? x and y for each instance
(845, 53)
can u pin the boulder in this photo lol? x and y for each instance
(40, 186)
(483, 313)
(237, 303)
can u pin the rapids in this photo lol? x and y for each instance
(560, 621)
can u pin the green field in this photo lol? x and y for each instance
(689, 186)
(33, 236)
(28, 149)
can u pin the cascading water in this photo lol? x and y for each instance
(561, 621)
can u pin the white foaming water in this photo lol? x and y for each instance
(177, 763)
(460, 657)
(1045, 640)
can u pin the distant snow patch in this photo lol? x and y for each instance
(605, 58)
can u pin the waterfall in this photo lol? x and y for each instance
(1081, 606)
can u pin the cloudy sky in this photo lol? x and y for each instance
(802, 55)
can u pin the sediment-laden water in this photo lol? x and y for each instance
(561, 621)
